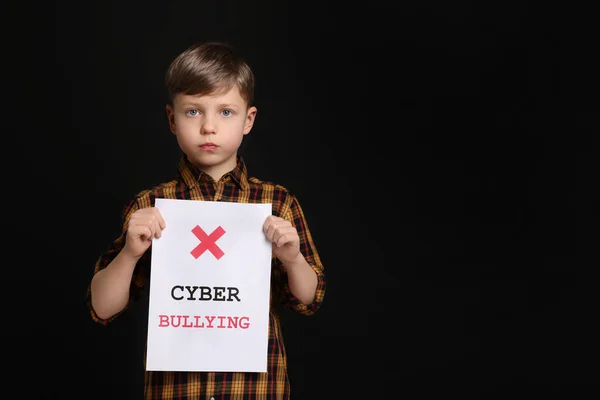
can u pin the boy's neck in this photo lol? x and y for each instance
(217, 171)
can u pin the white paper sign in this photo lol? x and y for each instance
(209, 288)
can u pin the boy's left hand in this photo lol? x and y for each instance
(285, 239)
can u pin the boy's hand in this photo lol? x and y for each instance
(144, 225)
(285, 239)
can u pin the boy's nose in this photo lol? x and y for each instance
(208, 127)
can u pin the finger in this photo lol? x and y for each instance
(267, 224)
(270, 232)
(157, 228)
(284, 235)
(282, 240)
(269, 229)
(150, 221)
(143, 231)
(271, 219)
(161, 221)
(147, 233)
(276, 229)
(290, 238)
(274, 224)
(151, 224)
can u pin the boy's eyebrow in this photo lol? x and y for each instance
(198, 104)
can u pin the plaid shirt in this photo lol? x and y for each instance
(235, 186)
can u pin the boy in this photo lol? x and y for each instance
(210, 111)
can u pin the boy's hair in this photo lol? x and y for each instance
(207, 68)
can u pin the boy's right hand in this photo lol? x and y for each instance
(144, 225)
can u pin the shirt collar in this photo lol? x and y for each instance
(192, 175)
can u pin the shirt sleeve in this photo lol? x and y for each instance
(140, 273)
(291, 211)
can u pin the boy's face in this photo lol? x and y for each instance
(210, 128)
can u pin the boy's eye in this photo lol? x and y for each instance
(227, 113)
(192, 113)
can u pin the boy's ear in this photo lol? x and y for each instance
(171, 117)
(250, 116)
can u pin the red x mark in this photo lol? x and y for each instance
(207, 242)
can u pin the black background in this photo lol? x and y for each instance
(442, 153)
